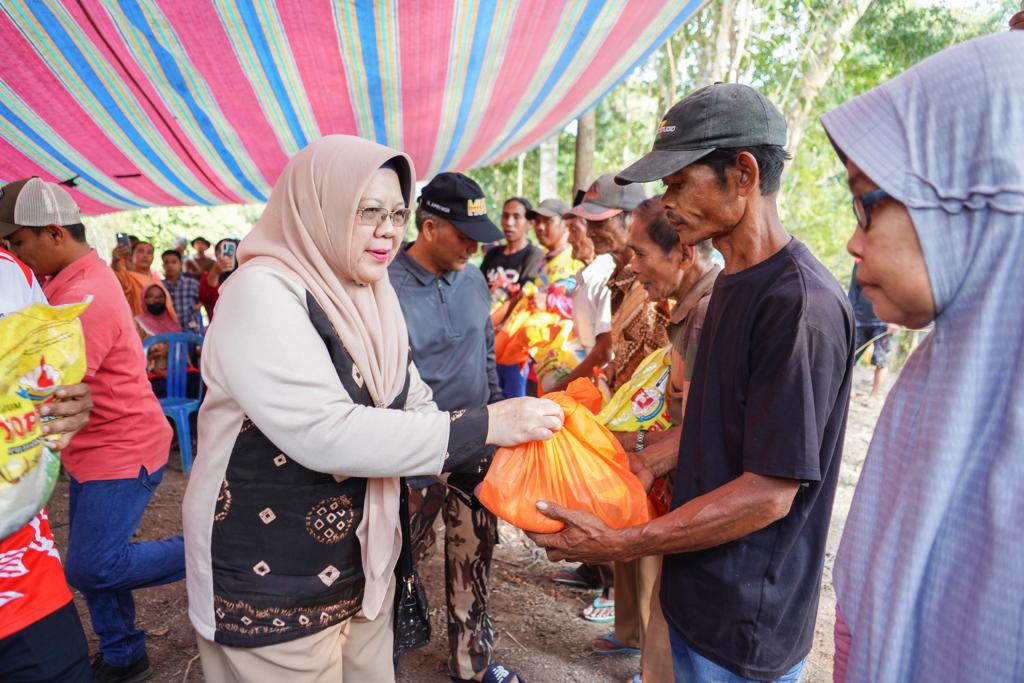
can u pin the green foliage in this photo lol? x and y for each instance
(160, 225)
(892, 36)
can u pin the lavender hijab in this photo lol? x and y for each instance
(930, 571)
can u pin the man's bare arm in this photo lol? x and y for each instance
(744, 505)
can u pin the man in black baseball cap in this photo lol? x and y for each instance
(744, 542)
(446, 303)
(720, 152)
(458, 200)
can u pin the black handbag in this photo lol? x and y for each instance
(412, 613)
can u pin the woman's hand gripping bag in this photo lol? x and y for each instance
(582, 467)
(41, 348)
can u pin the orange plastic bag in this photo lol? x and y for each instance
(503, 335)
(525, 330)
(582, 467)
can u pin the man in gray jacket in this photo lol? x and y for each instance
(446, 303)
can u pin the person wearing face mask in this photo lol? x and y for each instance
(313, 414)
(928, 573)
(155, 317)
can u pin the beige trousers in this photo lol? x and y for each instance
(639, 621)
(634, 585)
(656, 657)
(356, 651)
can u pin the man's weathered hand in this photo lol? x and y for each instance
(71, 409)
(642, 472)
(627, 440)
(585, 537)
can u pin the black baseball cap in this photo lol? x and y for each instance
(459, 200)
(719, 115)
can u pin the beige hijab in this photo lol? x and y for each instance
(306, 234)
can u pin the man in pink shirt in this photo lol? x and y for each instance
(116, 462)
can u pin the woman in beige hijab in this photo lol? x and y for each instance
(314, 410)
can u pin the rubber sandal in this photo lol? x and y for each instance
(600, 611)
(494, 673)
(618, 647)
(570, 576)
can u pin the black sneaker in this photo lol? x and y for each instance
(139, 670)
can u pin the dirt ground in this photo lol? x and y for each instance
(540, 633)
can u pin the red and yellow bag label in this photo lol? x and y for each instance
(41, 348)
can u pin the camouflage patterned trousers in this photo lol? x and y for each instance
(469, 539)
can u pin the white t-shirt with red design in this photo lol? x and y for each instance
(32, 583)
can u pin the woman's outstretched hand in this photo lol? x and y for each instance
(520, 420)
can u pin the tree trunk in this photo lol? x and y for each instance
(824, 60)
(519, 174)
(724, 38)
(586, 138)
(740, 49)
(549, 168)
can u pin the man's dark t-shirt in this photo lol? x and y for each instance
(863, 309)
(507, 273)
(769, 396)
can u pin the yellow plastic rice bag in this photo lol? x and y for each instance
(41, 348)
(557, 359)
(642, 402)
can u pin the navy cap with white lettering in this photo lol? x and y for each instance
(458, 199)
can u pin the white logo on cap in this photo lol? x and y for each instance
(437, 207)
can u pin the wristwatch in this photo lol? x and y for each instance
(641, 437)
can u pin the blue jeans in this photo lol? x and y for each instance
(105, 565)
(690, 667)
(512, 380)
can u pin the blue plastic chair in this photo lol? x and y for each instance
(177, 405)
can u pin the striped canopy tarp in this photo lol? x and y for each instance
(168, 102)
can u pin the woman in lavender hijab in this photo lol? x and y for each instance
(929, 576)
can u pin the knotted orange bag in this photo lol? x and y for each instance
(582, 467)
